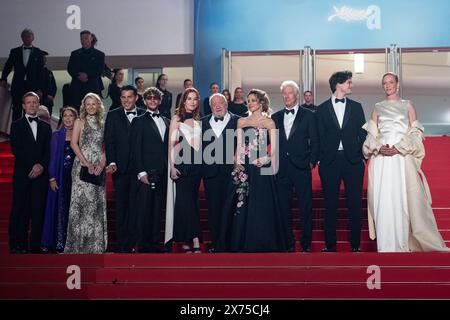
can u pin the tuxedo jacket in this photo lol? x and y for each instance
(48, 83)
(118, 139)
(33, 70)
(302, 146)
(330, 133)
(149, 150)
(90, 61)
(212, 170)
(28, 151)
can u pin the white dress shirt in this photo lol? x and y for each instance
(130, 116)
(33, 125)
(289, 120)
(339, 110)
(26, 56)
(218, 126)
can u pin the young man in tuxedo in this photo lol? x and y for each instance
(340, 121)
(85, 66)
(308, 97)
(213, 88)
(149, 138)
(48, 86)
(28, 64)
(217, 129)
(30, 144)
(298, 155)
(118, 156)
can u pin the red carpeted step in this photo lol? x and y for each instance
(314, 274)
(232, 291)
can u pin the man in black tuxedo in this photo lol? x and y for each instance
(150, 136)
(30, 144)
(27, 62)
(218, 151)
(85, 66)
(213, 88)
(341, 136)
(48, 86)
(298, 155)
(308, 97)
(118, 155)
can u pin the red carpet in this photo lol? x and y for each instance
(341, 275)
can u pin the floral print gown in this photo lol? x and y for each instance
(251, 217)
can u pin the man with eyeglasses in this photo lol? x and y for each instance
(149, 137)
(118, 156)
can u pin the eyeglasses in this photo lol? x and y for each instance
(152, 98)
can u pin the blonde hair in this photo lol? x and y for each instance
(100, 108)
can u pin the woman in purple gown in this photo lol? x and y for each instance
(58, 199)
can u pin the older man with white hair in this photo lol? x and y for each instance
(298, 154)
(218, 128)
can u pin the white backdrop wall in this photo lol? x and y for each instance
(123, 27)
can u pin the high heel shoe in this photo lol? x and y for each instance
(186, 249)
(197, 250)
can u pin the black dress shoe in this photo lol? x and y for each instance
(291, 249)
(17, 250)
(329, 249)
(306, 249)
(356, 249)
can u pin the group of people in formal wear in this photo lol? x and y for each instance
(250, 161)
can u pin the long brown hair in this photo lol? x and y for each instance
(181, 110)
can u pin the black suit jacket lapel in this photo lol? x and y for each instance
(346, 113)
(28, 129)
(333, 114)
(297, 120)
(154, 126)
(124, 119)
(280, 123)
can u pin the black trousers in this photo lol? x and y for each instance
(29, 198)
(125, 186)
(331, 176)
(215, 192)
(302, 181)
(149, 205)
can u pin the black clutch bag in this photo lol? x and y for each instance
(92, 178)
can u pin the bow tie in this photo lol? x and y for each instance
(287, 111)
(31, 119)
(216, 119)
(336, 100)
(155, 115)
(27, 48)
(131, 112)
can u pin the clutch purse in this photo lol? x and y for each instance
(92, 178)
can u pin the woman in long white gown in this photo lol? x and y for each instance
(399, 201)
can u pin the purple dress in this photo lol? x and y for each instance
(57, 209)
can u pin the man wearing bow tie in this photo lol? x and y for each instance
(30, 144)
(149, 139)
(217, 129)
(340, 121)
(28, 64)
(118, 156)
(298, 154)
